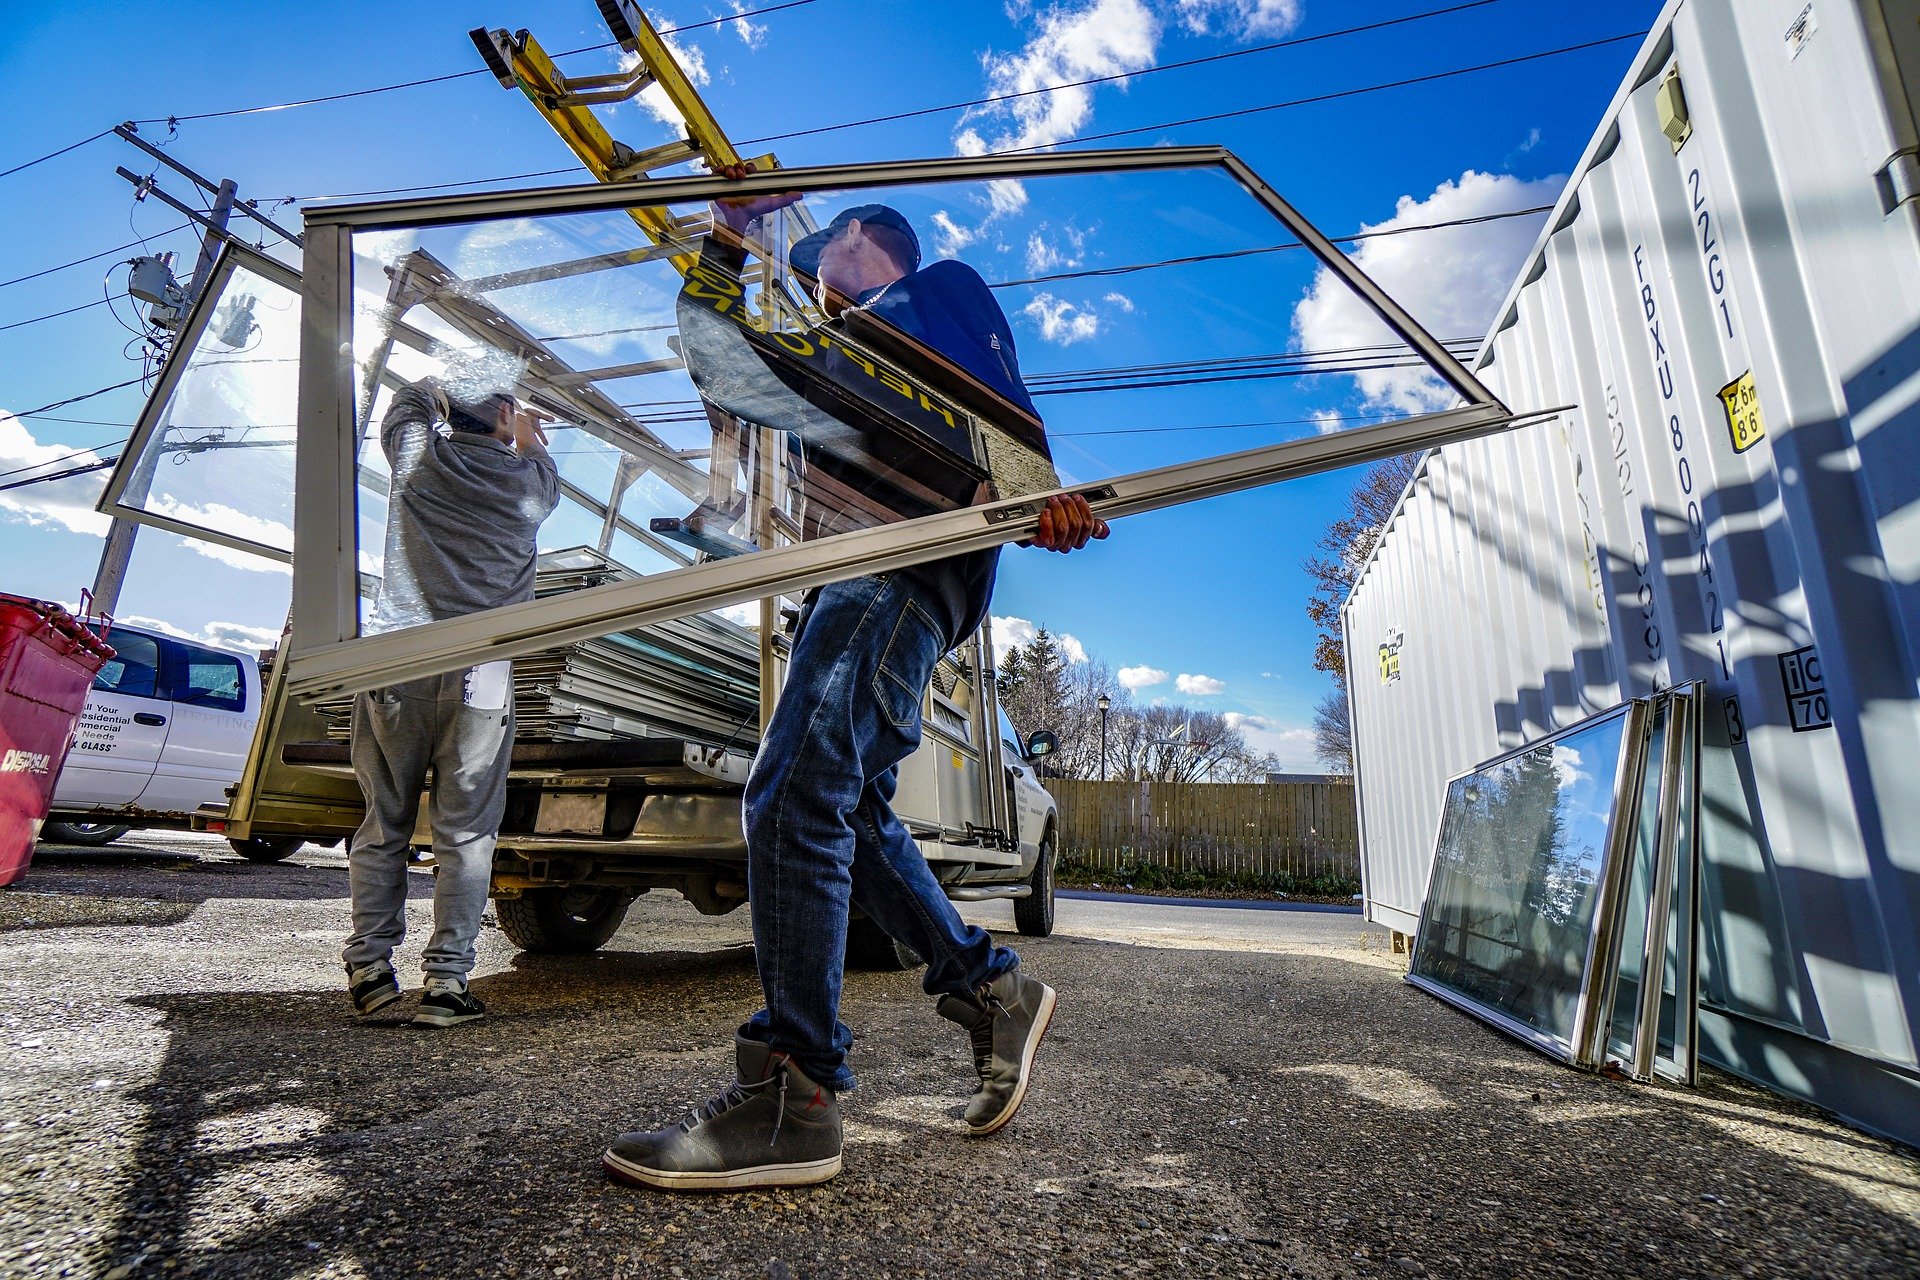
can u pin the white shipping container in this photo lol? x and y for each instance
(1729, 292)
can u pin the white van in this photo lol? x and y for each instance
(165, 730)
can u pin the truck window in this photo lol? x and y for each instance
(1010, 738)
(205, 677)
(134, 668)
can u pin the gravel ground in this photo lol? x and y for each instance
(1224, 1093)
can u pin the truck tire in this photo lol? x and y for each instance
(91, 834)
(563, 921)
(267, 848)
(1033, 915)
(872, 948)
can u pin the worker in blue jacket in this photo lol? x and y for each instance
(822, 836)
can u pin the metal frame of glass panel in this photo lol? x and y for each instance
(1668, 945)
(1576, 1051)
(1673, 905)
(328, 656)
(231, 258)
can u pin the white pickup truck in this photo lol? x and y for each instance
(165, 730)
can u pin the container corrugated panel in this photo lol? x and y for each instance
(1735, 499)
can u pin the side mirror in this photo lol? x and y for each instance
(1042, 743)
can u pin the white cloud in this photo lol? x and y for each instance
(1533, 140)
(1009, 633)
(217, 515)
(1293, 749)
(1099, 38)
(1244, 18)
(1198, 686)
(1119, 301)
(692, 60)
(751, 34)
(1006, 197)
(1065, 249)
(67, 502)
(1566, 766)
(1140, 677)
(1451, 280)
(1326, 421)
(745, 615)
(949, 236)
(236, 636)
(1060, 322)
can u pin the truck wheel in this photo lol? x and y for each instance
(873, 948)
(267, 848)
(563, 921)
(1033, 915)
(91, 834)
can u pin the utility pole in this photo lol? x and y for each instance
(115, 556)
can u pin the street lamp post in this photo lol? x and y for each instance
(1103, 702)
(1100, 797)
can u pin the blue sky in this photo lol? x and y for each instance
(1209, 597)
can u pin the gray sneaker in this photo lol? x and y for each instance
(772, 1127)
(1005, 1022)
(373, 987)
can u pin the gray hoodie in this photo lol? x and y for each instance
(463, 518)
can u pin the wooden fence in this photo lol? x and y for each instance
(1295, 828)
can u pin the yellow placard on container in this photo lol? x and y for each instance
(957, 761)
(1742, 403)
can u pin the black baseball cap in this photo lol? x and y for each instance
(805, 255)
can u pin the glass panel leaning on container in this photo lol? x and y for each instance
(1564, 875)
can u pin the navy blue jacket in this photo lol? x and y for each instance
(947, 306)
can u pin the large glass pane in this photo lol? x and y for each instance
(220, 456)
(849, 359)
(1516, 881)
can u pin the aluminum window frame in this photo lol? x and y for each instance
(228, 260)
(328, 656)
(1590, 1019)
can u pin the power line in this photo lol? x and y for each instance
(65, 457)
(61, 404)
(1117, 133)
(452, 75)
(1123, 75)
(435, 186)
(1225, 426)
(95, 257)
(1277, 248)
(60, 475)
(52, 315)
(51, 154)
(1326, 97)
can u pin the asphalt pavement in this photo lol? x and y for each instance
(1226, 1092)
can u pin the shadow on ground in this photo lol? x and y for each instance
(1196, 1113)
(71, 886)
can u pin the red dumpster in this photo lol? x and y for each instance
(48, 659)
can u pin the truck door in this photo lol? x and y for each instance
(122, 729)
(211, 722)
(1024, 801)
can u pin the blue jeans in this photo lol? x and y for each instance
(821, 831)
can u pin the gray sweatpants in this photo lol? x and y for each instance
(398, 732)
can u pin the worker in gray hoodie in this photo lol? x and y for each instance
(471, 484)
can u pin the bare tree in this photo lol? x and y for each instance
(1344, 548)
(1333, 732)
(1169, 743)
